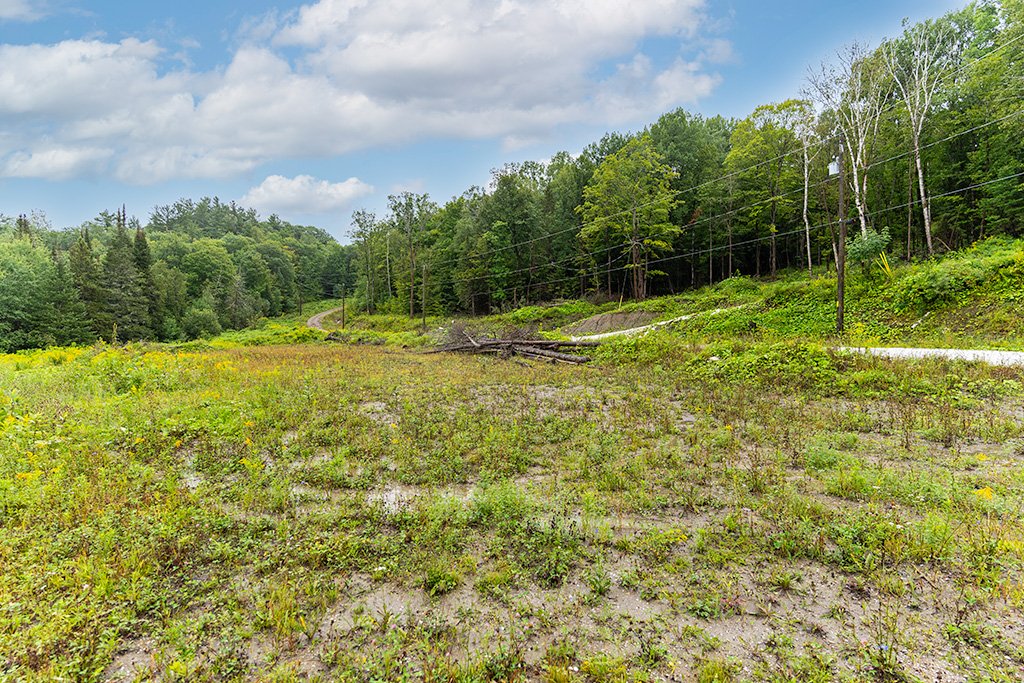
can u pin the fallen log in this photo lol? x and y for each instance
(539, 349)
(483, 345)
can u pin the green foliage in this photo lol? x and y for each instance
(866, 247)
(439, 580)
(554, 314)
(200, 321)
(196, 269)
(995, 265)
(628, 201)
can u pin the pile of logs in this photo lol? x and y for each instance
(540, 349)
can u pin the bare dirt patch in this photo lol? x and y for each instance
(135, 658)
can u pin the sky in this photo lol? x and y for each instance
(313, 110)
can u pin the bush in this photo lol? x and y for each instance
(866, 247)
(640, 348)
(200, 322)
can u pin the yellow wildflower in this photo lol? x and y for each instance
(985, 493)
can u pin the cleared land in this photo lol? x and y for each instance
(363, 513)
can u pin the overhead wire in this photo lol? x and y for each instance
(734, 245)
(694, 188)
(751, 205)
(676, 193)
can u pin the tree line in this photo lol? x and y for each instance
(928, 126)
(194, 269)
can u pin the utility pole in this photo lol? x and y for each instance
(424, 302)
(343, 307)
(841, 264)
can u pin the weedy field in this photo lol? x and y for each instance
(740, 511)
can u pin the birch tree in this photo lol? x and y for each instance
(916, 63)
(364, 230)
(806, 125)
(854, 88)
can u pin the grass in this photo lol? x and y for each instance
(697, 504)
(356, 513)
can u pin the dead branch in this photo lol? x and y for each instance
(539, 349)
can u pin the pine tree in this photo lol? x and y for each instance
(23, 229)
(86, 277)
(143, 260)
(66, 317)
(126, 302)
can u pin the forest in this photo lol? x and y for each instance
(195, 269)
(923, 132)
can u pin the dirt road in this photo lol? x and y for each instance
(317, 321)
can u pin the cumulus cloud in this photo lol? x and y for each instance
(304, 194)
(55, 163)
(20, 10)
(342, 75)
(77, 79)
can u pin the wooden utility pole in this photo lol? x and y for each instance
(423, 304)
(343, 307)
(841, 261)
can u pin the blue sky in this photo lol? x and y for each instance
(311, 110)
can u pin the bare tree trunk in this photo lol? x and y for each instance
(910, 208)
(858, 197)
(729, 228)
(412, 269)
(711, 255)
(639, 277)
(926, 210)
(387, 261)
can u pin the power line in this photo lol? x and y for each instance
(676, 193)
(604, 269)
(708, 250)
(751, 205)
(818, 144)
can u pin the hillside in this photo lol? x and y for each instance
(966, 299)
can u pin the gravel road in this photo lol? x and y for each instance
(317, 321)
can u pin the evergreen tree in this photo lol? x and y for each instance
(22, 277)
(66, 317)
(126, 302)
(86, 277)
(143, 260)
(22, 228)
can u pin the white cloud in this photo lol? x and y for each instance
(342, 75)
(55, 163)
(304, 195)
(20, 10)
(76, 79)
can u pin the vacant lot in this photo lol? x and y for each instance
(737, 512)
